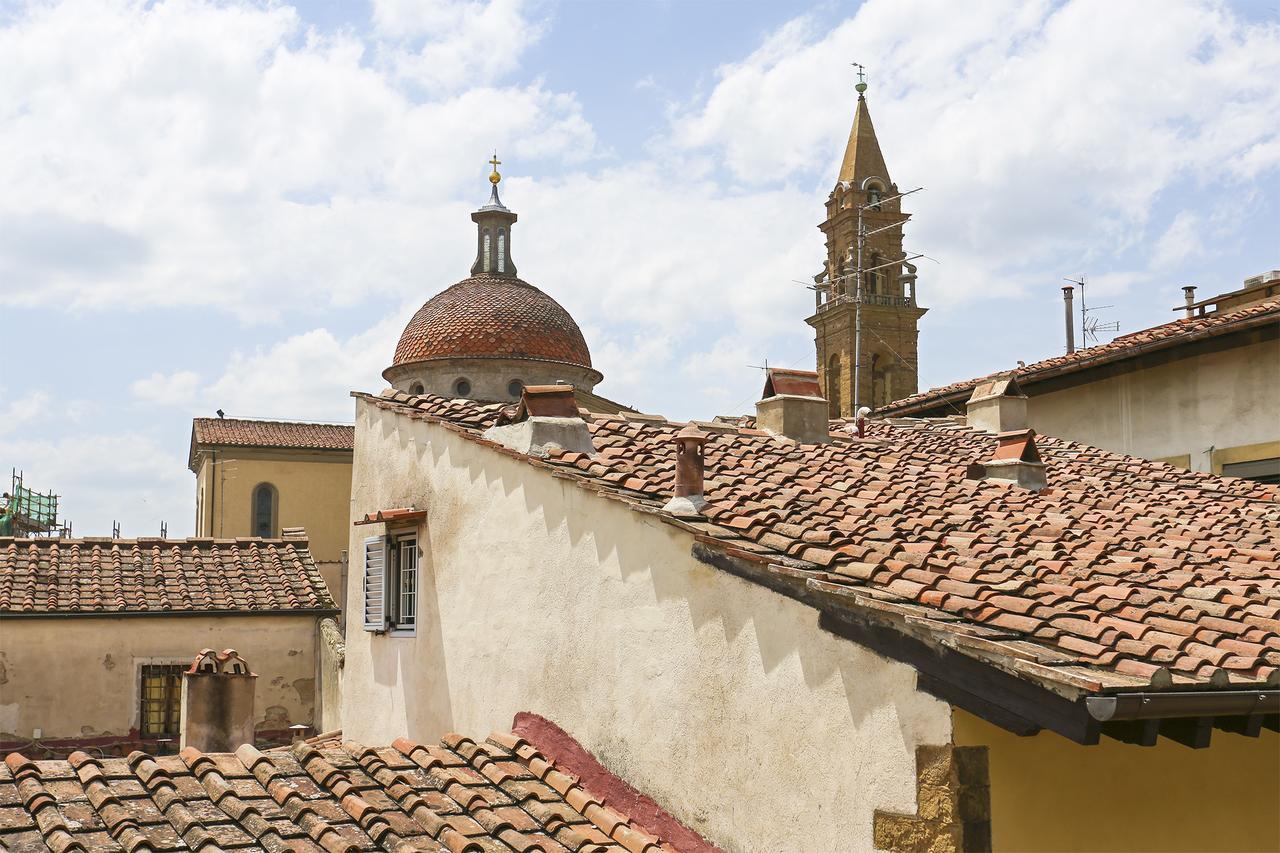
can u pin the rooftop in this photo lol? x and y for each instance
(502, 794)
(244, 432)
(1122, 575)
(138, 577)
(1179, 332)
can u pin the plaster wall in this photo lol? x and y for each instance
(79, 677)
(1181, 408)
(314, 491)
(717, 697)
(1050, 794)
(490, 378)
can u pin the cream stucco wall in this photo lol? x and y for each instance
(314, 493)
(78, 677)
(720, 699)
(1050, 794)
(1217, 400)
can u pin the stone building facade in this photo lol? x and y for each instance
(864, 198)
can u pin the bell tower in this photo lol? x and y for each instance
(865, 324)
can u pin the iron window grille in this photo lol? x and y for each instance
(161, 700)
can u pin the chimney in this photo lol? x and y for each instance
(1016, 460)
(793, 407)
(546, 417)
(1068, 293)
(217, 702)
(1189, 295)
(688, 498)
(997, 405)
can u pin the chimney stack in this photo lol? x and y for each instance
(793, 406)
(547, 416)
(688, 498)
(1016, 460)
(1189, 294)
(997, 405)
(217, 702)
(1068, 293)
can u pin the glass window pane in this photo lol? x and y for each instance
(407, 582)
(263, 498)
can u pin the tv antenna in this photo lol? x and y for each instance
(1090, 325)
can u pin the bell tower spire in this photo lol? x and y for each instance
(493, 232)
(866, 327)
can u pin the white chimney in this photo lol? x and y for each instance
(793, 407)
(997, 405)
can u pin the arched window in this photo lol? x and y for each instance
(264, 510)
(871, 282)
(833, 385)
(502, 250)
(487, 243)
(873, 197)
(416, 388)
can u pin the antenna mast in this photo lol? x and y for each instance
(1090, 326)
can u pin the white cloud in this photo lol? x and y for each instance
(123, 477)
(192, 153)
(454, 43)
(1044, 132)
(31, 408)
(171, 389)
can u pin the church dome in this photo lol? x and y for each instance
(486, 316)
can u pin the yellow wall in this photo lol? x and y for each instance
(78, 677)
(314, 493)
(1048, 793)
(1207, 409)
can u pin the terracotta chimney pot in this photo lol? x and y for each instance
(687, 498)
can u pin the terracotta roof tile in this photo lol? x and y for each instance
(1124, 346)
(492, 317)
(343, 798)
(1116, 548)
(50, 576)
(238, 432)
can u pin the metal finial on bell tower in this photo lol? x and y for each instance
(495, 163)
(862, 77)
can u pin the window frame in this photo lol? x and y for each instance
(394, 594)
(275, 510)
(176, 668)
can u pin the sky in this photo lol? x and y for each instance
(238, 205)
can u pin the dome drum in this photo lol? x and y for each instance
(495, 379)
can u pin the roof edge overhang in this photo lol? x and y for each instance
(136, 614)
(1228, 336)
(1016, 703)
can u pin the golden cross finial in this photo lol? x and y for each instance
(862, 77)
(495, 162)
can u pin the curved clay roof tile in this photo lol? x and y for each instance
(492, 317)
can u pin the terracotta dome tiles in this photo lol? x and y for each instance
(492, 317)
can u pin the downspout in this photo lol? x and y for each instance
(214, 491)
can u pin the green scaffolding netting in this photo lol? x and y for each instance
(37, 508)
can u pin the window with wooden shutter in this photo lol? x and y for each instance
(375, 583)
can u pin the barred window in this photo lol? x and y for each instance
(161, 687)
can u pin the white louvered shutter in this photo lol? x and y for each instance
(375, 583)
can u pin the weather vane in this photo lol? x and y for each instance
(862, 77)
